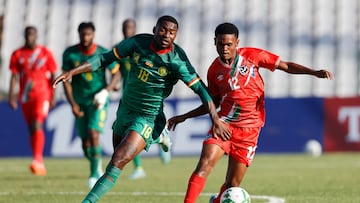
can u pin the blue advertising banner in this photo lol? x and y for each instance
(290, 123)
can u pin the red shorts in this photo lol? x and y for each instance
(242, 144)
(35, 110)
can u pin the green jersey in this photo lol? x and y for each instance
(153, 74)
(85, 85)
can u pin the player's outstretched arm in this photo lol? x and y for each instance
(294, 68)
(66, 76)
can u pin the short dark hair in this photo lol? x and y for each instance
(226, 28)
(167, 18)
(28, 28)
(84, 25)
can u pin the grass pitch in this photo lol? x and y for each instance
(290, 178)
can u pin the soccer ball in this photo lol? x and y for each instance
(313, 148)
(235, 195)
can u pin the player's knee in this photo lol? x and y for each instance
(120, 159)
(204, 167)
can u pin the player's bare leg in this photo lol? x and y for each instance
(37, 140)
(210, 155)
(234, 176)
(124, 152)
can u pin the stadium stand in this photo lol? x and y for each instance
(317, 33)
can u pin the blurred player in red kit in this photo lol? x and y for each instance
(34, 66)
(236, 86)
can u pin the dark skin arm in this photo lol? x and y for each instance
(69, 96)
(66, 76)
(219, 128)
(294, 68)
(53, 100)
(199, 111)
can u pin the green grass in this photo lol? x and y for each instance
(332, 178)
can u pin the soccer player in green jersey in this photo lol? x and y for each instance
(129, 30)
(88, 96)
(157, 64)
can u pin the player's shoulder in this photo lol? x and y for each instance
(243, 51)
(72, 48)
(101, 48)
(215, 64)
(43, 48)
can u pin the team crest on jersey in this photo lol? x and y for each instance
(162, 71)
(76, 63)
(243, 70)
(220, 77)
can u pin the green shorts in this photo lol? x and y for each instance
(93, 119)
(148, 126)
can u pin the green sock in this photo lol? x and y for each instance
(87, 152)
(103, 185)
(137, 161)
(95, 161)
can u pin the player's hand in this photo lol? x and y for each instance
(66, 76)
(172, 122)
(324, 74)
(76, 111)
(101, 98)
(221, 130)
(13, 104)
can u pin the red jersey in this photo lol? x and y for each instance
(34, 67)
(241, 87)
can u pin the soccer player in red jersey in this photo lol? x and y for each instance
(35, 66)
(236, 86)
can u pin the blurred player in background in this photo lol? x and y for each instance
(88, 95)
(35, 66)
(129, 30)
(157, 65)
(237, 87)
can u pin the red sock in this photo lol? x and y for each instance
(222, 189)
(195, 186)
(37, 140)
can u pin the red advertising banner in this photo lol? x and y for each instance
(342, 124)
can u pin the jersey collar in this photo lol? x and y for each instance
(89, 52)
(162, 51)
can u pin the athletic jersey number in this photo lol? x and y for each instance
(251, 152)
(143, 75)
(233, 82)
(147, 131)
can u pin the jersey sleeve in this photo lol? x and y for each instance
(14, 68)
(51, 63)
(102, 60)
(260, 57)
(189, 76)
(112, 67)
(124, 48)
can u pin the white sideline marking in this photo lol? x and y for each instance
(271, 199)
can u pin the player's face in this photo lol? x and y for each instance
(86, 36)
(165, 34)
(30, 37)
(129, 29)
(226, 46)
